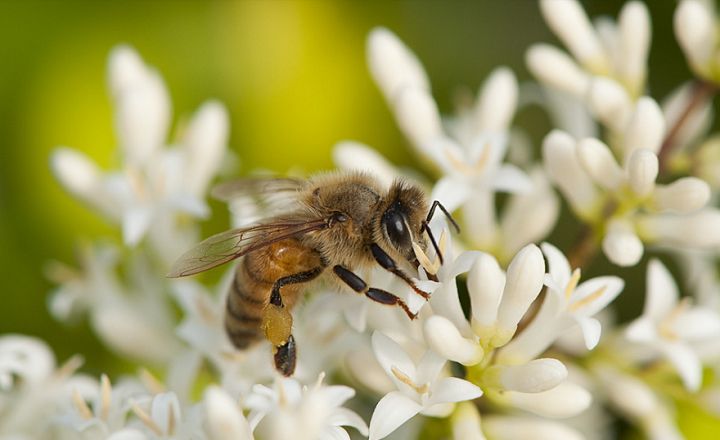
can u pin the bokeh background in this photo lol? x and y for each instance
(292, 74)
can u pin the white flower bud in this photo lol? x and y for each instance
(76, 172)
(517, 427)
(533, 377)
(445, 339)
(699, 229)
(418, 116)
(392, 65)
(553, 67)
(642, 170)
(684, 195)
(466, 422)
(634, 33)
(26, 358)
(695, 30)
(609, 101)
(522, 285)
(142, 115)
(646, 128)
(565, 400)
(569, 22)
(485, 286)
(225, 420)
(563, 167)
(621, 245)
(598, 161)
(205, 141)
(498, 101)
(529, 217)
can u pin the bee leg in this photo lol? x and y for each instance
(431, 213)
(277, 322)
(387, 263)
(378, 295)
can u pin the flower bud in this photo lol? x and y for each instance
(564, 169)
(205, 141)
(642, 170)
(76, 173)
(445, 339)
(553, 67)
(699, 229)
(522, 285)
(466, 422)
(646, 128)
(609, 101)
(498, 101)
(598, 161)
(621, 245)
(485, 286)
(568, 21)
(695, 30)
(565, 400)
(392, 65)
(684, 195)
(634, 33)
(533, 377)
(418, 116)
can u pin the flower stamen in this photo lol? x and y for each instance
(572, 283)
(146, 419)
(588, 299)
(81, 405)
(404, 378)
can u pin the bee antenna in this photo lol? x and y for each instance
(431, 213)
(425, 227)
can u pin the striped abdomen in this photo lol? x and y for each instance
(256, 274)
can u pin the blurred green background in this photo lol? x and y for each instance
(292, 74)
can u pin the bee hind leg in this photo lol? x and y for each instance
(378, 295)
(277, 322)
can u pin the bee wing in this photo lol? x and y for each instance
(228, 245)
(258, 187)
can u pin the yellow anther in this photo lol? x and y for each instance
(404, 378)
(588, 299)
(81, 405)
(146, 419)
(105, 397)
(572, 283)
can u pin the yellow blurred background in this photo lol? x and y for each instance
(292, 74)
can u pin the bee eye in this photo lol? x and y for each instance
(394, 222)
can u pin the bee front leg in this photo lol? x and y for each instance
(277, 322)
(378, 295)
(387, 263)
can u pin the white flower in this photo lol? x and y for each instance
(516, 427)
(469, 152)
(155, 184)
(670, 326)
(567, 303)
(422, 388)
(616, 52)
(225, 419)
(289, 410)
(131, 317)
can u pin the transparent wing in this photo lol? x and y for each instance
(264, 188)
(227, 246)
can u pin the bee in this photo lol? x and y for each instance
(328, 227)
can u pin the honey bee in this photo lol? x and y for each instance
(342, 222)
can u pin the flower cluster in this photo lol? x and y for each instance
(511, 343)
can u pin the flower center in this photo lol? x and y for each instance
(667, 326)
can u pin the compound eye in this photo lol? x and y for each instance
(394, 223)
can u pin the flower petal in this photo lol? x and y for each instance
(686, 362)
(591, 330)
(392, 411)
(662, 292)
(558, 265)
(453, 389)
(595, 294)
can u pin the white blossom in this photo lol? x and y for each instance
(670, 325)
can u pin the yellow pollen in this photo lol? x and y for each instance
(145, 418)
(404, 378)
(81, 405)
(572, 283)
(588, 299)
(105, 393)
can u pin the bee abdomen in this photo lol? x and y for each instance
(244, 310)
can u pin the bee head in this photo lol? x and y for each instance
(401, 221)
